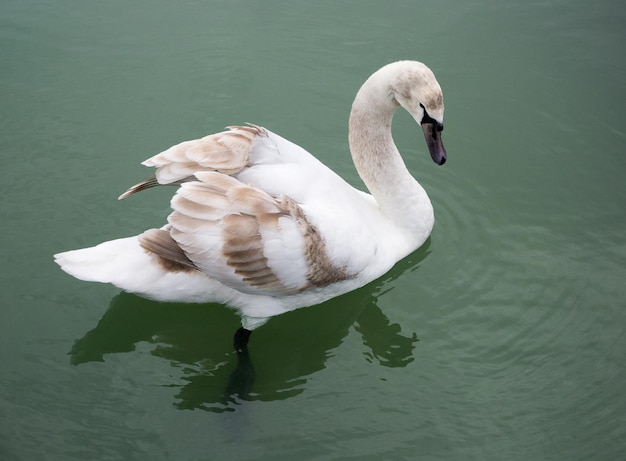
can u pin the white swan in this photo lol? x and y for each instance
(261, 225)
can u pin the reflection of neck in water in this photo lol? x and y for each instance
(293, 346)
(383, 339)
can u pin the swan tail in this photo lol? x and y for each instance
(128, 265)
(109, 262)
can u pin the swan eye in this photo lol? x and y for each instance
(428, 119)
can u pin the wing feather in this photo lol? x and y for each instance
(227, 152)
(234, 232)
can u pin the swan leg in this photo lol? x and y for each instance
(242, 377)
(240, 341)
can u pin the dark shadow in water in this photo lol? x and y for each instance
(198, 339)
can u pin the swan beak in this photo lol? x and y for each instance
(432, 133)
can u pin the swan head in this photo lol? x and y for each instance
(415, 88)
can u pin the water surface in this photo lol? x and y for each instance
(502, 338)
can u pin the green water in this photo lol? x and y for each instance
(502, 338)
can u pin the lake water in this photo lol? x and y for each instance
(502, 338)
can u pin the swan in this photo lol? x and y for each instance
(261, 225)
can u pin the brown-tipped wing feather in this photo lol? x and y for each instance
(226, 152)
(234, 232)
(171, 256)
(243, 237)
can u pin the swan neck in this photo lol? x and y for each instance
(371, 143)
(379, 164)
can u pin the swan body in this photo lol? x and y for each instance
(261, 225)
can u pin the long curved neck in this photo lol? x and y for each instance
(379, 163)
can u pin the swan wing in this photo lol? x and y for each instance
(239, 212)
(243, 237)
(231, 152)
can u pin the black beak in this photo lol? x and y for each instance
(432, 133)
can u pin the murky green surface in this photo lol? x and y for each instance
(502, 338)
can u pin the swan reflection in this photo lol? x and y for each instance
(197, 339)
